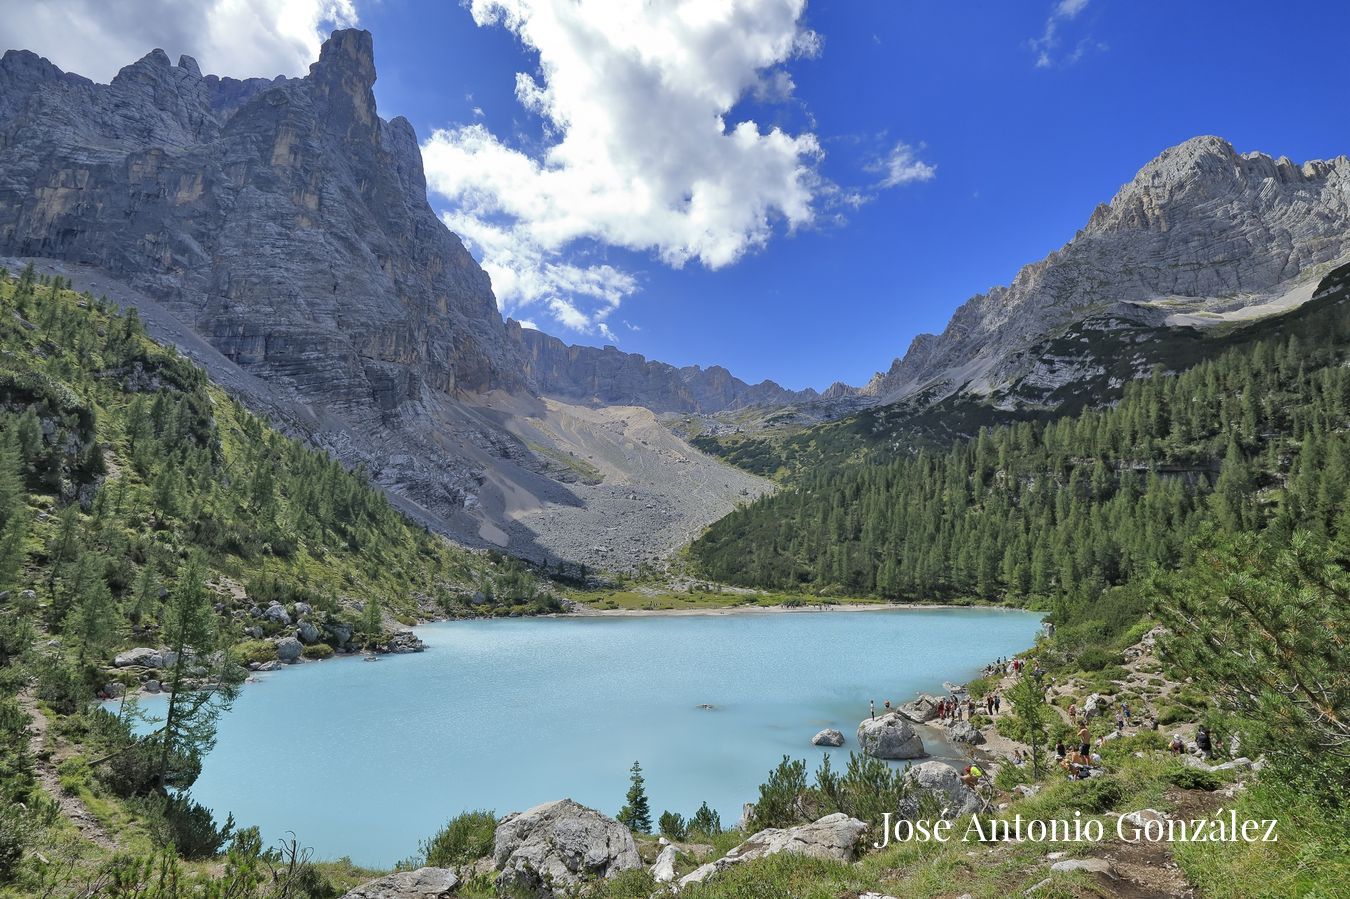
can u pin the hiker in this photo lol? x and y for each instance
(971, 776)
(1060, 750)
(1084, 739)
(998, 703)
(1125, 711)
(872, 708)
(1120, 724)
(1176, 745)
(1073, 711)
(1202, 742)
(886, 705)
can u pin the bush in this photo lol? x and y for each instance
(465, 838)
(317, 651)
(255, 651)
(1193, 779)
(1095, 658)
(185, 825)
(1172, 714)
(1094, 796)
(778, 805)
(706, 822)
(61, 687)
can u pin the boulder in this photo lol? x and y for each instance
(828, 737)
(1234, 765)
(288, 649)
(278, 614)
(113, 690)
(1091, 865)
(141, 656)
(921, 710)
(890, 737)
(965, 732)
(1095, 705)
(1144, 817)
(553, 848)
(302, 609)
(424, 883)
(943, 783)
(833, 837)
(151, 686)
(307, 632)
(338, 634)
(664, 869)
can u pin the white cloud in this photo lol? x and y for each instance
(241, 38)
(640, 149)
(903, 166)
(526, 323)
(1046, 46)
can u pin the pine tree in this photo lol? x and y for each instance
(1030, 715)
(706, 822)
(192, 633)
(93, 617)
(636, 815)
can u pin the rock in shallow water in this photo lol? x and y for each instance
(828, 737)
(890, 737)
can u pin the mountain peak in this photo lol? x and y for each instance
(348, 55)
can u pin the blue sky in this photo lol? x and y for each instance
(1000, 159)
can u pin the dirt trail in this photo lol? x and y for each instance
(45, 764)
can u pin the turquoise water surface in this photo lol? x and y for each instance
(365, 759)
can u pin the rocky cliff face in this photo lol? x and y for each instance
(278, 232)
(610, 377)
(283, 219)
(1202, 234)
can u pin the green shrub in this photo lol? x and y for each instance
(255, 651)
(1174, 713)
(1193, 779)
(705, 822)
(185, 825)
(777, 805)
(1095, 795)
(318, 651)
(1095, 658)
(465, 838)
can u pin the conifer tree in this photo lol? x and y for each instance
(636, 815)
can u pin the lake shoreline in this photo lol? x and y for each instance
(586, 612)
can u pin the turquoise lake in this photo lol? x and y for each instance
(365, 759)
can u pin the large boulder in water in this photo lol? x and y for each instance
(424, 883)
(890, 737)
(553, 848)
(965, 732)
(828, 737)
(921, 710)
(943, 784)
(833, 837)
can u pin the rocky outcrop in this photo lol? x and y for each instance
(941, 784)
(552, 848)
(965, 732)
(141, 656)
(921, 710)
(890, 736)
(1200, 229)
(834, 837)
(663, 869)
(423, 883)
(828, 737)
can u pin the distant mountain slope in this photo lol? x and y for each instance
(1201, 233)
(611, 377)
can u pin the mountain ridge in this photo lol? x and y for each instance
(1199, 227)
